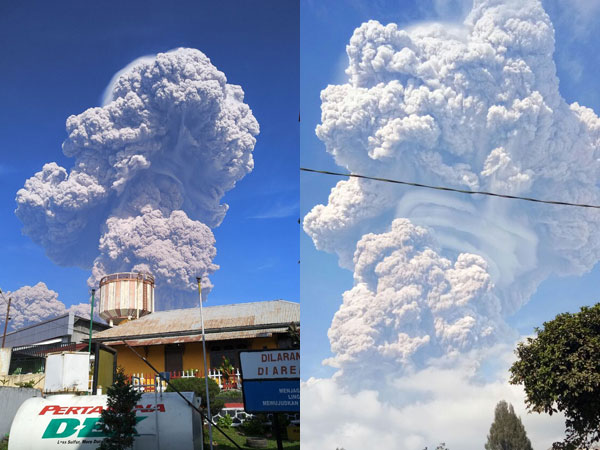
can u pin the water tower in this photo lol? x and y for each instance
(126, 296)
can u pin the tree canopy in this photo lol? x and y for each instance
(507, 431)
(560, 370)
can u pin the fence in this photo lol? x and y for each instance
(148, 383)
(234, 381)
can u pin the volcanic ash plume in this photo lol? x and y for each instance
(475, 106)
(34, 304)
(408, 303)
(150, 169)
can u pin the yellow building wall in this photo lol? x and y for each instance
(262, 343)
(193, 357)
(126, 359)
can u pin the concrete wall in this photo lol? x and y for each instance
(10, 399)
(5, 360)
(12, 380)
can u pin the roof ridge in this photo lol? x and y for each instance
(222, 306)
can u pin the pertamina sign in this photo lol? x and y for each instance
(65, 422)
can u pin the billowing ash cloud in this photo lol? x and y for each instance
(409, 302)
(150, 169)
(173, 248)
(33, 304)
(475, 106)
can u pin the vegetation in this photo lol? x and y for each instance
(221, 442)
(226, 368)
(441, 446)
(256, 426)
(118, 419)
(507, 431)
(197, 385)
(560, 371)
(293, 332)
(225, 422)
(231, 396)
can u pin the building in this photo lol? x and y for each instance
(31, 344)
(172, 340)
(66, 329)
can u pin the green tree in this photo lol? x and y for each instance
(507, 431)
(118, 418)
(560, 370)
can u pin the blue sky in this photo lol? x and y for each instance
(58, 58)
(326, 28)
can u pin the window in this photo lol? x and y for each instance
(229, 350)
(174, 357)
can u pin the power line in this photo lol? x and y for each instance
(3, 297)
(444, 188)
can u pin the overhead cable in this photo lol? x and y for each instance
(444, 188)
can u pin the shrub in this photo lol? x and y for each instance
(197, 385)
(225, 422)
(231, 396)
(255, 426)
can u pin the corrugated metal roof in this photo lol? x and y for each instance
(198, 337)
(254, 316)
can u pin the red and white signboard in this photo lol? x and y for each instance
(270, 364)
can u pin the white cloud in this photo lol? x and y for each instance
(424, 408)
(172, 137)
(278, 211)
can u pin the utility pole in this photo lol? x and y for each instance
(209, 415)
(91, 323)
(6, 321)
(90, 343)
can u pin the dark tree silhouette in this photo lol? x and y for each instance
(118, 419)
(507, 431)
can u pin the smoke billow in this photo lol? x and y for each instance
(408, 302)
(33, 304)
(475, 106)
(150, 169)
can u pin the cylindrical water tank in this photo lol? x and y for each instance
(125, 296)
(164, 421)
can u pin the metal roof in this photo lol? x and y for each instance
(198, 337)
(254, 316)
